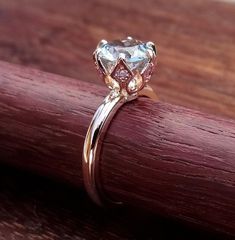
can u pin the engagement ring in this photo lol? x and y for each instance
(126, 67)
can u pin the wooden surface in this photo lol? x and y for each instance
(166, 159)
(42, 209)
(195, 42)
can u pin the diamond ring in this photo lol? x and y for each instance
(126, 67)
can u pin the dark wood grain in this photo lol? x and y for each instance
(195, 42)
(195, 69)
(167, 159)
(33, 208)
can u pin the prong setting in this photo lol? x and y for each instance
(126, 65)
(98, 63)
(153, 51)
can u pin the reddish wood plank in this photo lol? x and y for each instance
(196, 61)
(33, 208)
(167, 159)
(195, 41)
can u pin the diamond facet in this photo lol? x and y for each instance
(126, 65)
(133, 52)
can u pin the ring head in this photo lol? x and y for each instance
(126, 65)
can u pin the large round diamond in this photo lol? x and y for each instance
(136, 54)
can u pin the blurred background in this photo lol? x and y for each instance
(195, 41)
(196, 69)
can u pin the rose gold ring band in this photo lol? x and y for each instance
(119, 80)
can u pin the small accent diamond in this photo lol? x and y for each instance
(121, 73)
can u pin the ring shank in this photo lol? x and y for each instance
(93, 142)
(94, 139)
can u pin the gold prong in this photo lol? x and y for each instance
(98, 63)
(147, 91)
(129, 38)
(152, 46)
(101, 67)
(101, 43)
(94, 55)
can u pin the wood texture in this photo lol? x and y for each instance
(196, 69)
(34, 208)
(166, 159)
(195, 42)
